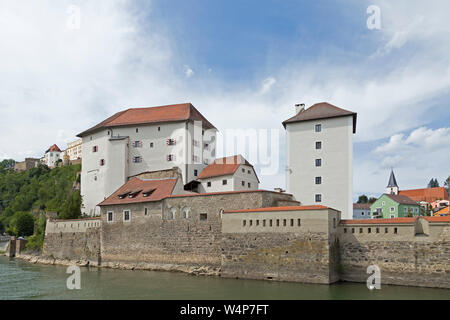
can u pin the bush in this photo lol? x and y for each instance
(22, 224)
(36, 241)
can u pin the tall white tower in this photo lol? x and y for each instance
(320, 156)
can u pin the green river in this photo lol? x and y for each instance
(21, 280)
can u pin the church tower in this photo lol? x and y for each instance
(392, 187)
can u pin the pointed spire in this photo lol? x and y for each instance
(392, 181)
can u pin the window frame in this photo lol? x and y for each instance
(129, 215)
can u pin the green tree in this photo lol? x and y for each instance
(447, 185)
(22, 224)
(71, 208)
(363, 199)
(433, 183)
(36, 241)
(372, 200)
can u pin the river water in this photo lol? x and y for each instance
(22, 280)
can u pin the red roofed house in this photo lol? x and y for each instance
(139, 140)
(228, 174)
(52, 155)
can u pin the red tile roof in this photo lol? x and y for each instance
(321, 110)
(162, 189)
(224, 193)
(427, 194)
(442, 211)
(160, 114)
(402, 199)
(293, 208)
(53, 148)
(394, 220)
(224, 167)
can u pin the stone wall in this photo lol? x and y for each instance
(417, 255)
(73, 240)
(192, 237)
(281, 245)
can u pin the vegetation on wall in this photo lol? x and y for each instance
(33, 192)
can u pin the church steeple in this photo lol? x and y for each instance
(392, 187)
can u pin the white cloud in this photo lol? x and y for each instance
(188, 71)
(267, 84)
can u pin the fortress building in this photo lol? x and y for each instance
(319, 156)
(143, 139)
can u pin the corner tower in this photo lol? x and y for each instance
(320, 156)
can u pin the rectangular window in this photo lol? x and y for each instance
(126, 215)
(102, 162)
(110, 216)
(318, 162)
(270, 222)
(318, 198)
(392, 216)
(318, 180)
(224, 182)
(151, 144)
(171, 142)
(334, 223)
(278, 222)
(257, 222)
(244, 223)
(204, 217)
(145, 211)
(392, 209)
(378, 230)
(318, 127)
(249, 185)
(292, 222)
(137, 159)
(345, 230)
(243, 170)
(385, 230)
(195, 172)
(251, 223)
(405, 209)
(360, 230)
(353, 230)
(137, 130)
(264, 223)
(284, 222)
(395, 230)
(318, 145)
(299, 222)
(137, 144)
(369, 230)
(159, 128)
(208, 184)
(171, 157)
(94, 148)
(249, 172)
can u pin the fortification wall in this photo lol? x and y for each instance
(73, 240)
(414, 255)
(192, 237)
(281, 245)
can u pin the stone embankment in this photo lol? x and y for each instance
(194, 270)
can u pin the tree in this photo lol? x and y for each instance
(7, 165)
(22, 224)
(433, 183)
(363, 199)
(72, 207)
(372, 200)
(447, 185)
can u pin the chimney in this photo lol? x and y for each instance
(299, 108)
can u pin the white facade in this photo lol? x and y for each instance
(331, 183)
(51, 157)
(244, 178)
(112, 155)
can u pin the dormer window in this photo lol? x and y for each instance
(133, 194)
(123, 195)
(148, 192)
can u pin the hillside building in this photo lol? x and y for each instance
(138, 140)
(52, 156)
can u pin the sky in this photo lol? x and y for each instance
(68, 65)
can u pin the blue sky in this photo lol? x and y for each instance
(243, 64)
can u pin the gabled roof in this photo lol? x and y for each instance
(157, 189)
(321, 110)
(224, 167)
(427, 194)
(402, 199)
(160, 114)
(53, 148)
(361, 206)
(392, 181)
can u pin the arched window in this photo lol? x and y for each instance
(185, 213)
(172, 214)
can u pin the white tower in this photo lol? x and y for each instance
(320, 156)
